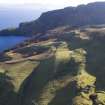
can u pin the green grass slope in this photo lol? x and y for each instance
(68, 70)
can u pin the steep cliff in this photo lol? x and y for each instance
(90, 14)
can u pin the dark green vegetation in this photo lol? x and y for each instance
(65, 69)
(91, 14)
(58, 66)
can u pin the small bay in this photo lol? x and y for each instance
(7, 42)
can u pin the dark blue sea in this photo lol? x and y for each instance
(10, 41)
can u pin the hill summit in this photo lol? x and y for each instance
(90, 14)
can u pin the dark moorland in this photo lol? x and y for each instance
(63, 62)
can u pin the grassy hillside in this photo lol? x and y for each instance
(67, 69)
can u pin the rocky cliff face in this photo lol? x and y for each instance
(74, 16)
(91, 14)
